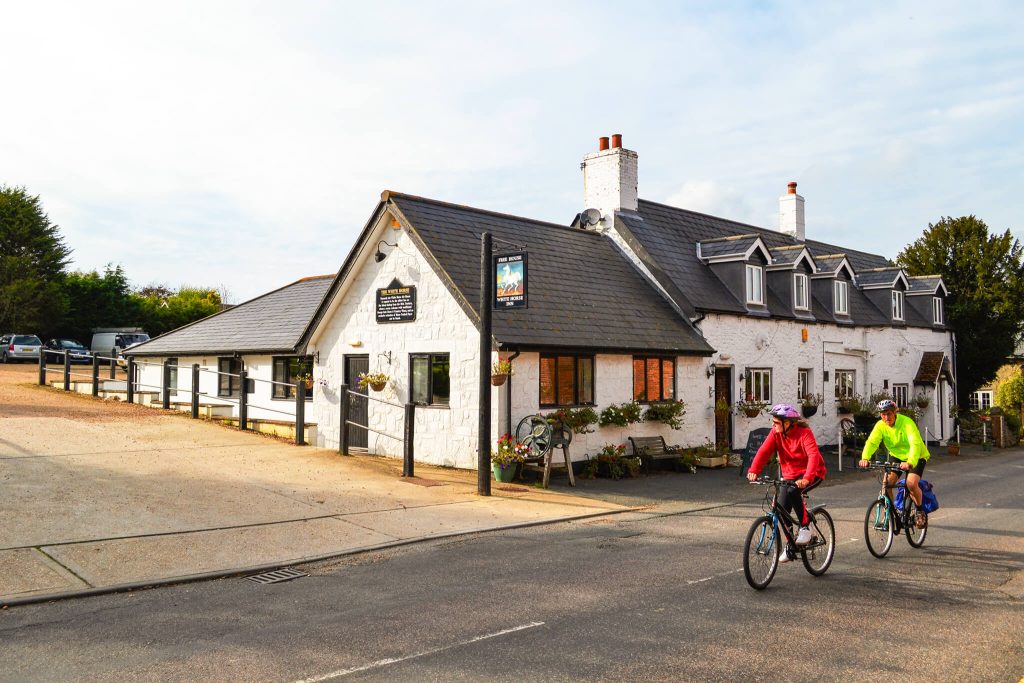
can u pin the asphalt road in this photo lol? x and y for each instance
(634, 597)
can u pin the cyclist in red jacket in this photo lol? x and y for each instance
(800, 461)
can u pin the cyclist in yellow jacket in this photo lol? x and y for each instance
(904, 442)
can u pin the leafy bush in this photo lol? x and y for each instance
(620, 414)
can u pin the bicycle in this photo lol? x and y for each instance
(883, 521)
(765, 539)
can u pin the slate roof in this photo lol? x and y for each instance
(668, 234)
(932, 364)
(923, 284)
(877, 276)
(582, 291)
(787, 256)
(726, 246)
(271, 323)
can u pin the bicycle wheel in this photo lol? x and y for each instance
(915, 535)
(878, 528)
(761, 553)
(818, 554)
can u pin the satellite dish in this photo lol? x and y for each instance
(590, 217)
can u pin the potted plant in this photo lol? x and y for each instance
(307, 379)
(668, 412)
(500, 371)
(845, 404)
(922, 401)
(722, 407)
(750, 407)
(611, 462)
(953, 447)
(505, 460)
(709, 455)
(375, 380)
(809, 404)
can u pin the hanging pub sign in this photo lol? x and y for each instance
(510, 280)
(396, 303)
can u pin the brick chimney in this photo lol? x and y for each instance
(791, 213)
(610, 177)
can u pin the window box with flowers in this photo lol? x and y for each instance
(620, 414)
(668, 412)
(506, 459)
(375, 380)
(578, 420)
(500, 371)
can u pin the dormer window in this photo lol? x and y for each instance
(800, 292)
(755, 285)
(897, 305)
(842, 298)
(937, 310)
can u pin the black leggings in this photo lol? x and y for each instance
(791, 498)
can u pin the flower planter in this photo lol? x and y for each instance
(751, 412)
(309, 384)
(808, 411)
(953, 449)
(712, 461)
(498, 378)
(378, 386)
(504, 474)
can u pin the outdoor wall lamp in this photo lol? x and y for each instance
(711, 370)
(379, 255)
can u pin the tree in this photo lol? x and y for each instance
(162, 311)
(985, 276)
(1010, 395)
(96, 300)
(33, 257)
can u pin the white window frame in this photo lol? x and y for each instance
(897, 305)
(803, 383)
(842, 297)
(844, 389)
(981, 400)
(800, 303)
(758, 385)
(937, 310)
(901, 394)
(755, 285)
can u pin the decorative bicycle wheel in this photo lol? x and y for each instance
(878, 528)
(915, 534)
(818, 554)
(536, 434)
(760, 553)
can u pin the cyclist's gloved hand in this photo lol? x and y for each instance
(862, 464)
(801, 483)
(751, 476)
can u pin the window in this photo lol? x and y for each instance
(937, 310)
(654, 379)
(431, 382)
(981, 400)
(755, 286)
(288, 370)
(901, 394)
(897, 305)
(842, 297)
(758, 385)
(228, 380)
(172, 374)
(845, 383)
(800, 293)
(803, 383)
(566, 379)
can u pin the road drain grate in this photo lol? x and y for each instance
(277, 576)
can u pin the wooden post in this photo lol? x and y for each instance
(67, 370)
(343, 435)
(131, 379)
(95, 376)
(409, 441)
(483, 447)
(42, 368)
(195, 391)
(300, 413)
(165, 384)
(243, 400)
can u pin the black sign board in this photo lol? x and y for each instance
(510, 280)
(396, 303)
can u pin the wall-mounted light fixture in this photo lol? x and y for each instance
(379, 255)
(711, 369)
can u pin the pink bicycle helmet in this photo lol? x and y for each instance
(784, 411)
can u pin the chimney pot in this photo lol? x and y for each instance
(792, 188)
(602, 144)
(616, 140)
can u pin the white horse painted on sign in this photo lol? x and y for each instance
(510, 280)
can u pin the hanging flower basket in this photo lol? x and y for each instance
(375, 380)
(498, 378)
(808, 411)
(309, 384)
(378, 386)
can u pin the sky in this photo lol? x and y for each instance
(243, 145)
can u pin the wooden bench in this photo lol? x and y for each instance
(651, 448)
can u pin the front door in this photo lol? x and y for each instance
(358, 405)
(723, 421)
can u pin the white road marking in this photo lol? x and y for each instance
(394, 660)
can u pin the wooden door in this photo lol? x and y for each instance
(723, 392)
(358, 406)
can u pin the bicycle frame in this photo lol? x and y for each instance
(900, 517)
(776, 511)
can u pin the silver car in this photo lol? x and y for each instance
(19, 347)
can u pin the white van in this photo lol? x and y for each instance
(111, 342)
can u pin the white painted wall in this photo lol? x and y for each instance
(892, 354)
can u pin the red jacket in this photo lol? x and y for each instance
(798, 454)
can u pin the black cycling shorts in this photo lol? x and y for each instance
(919, 468)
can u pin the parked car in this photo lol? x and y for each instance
(111, 343)
(76, 351)
(19, 347)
